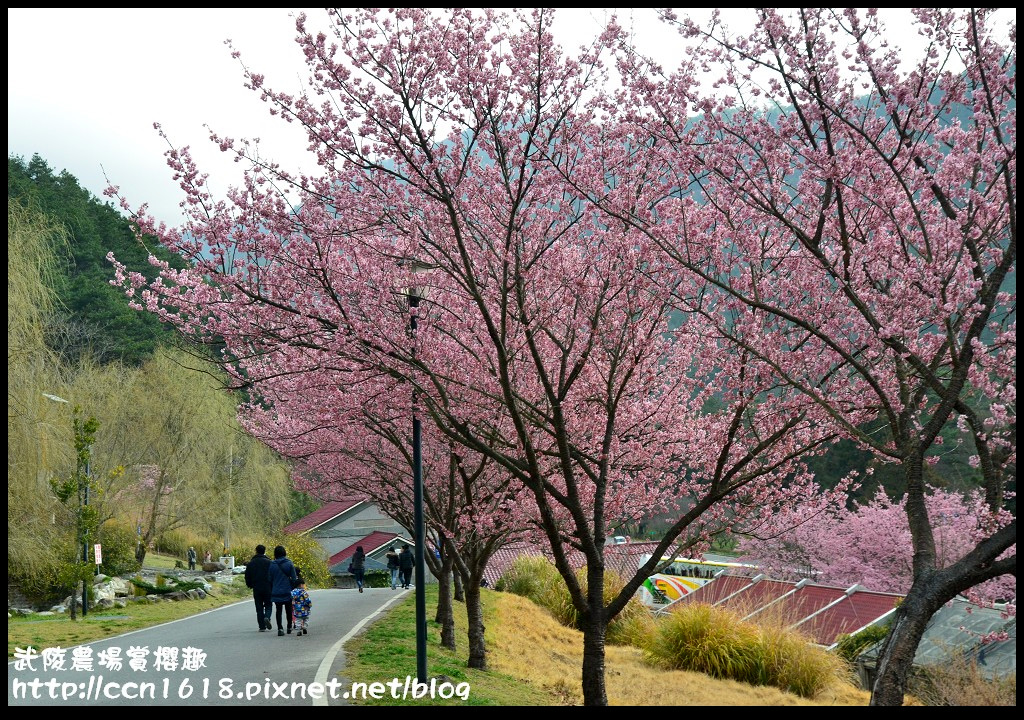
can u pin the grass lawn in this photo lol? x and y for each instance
(532, 660)
(156, 560)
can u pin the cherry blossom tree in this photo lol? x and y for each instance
(548, 340)
(357, 443)
(857, 218)
(871, 544)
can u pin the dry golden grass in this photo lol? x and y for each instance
(529, 644)
(957, 682)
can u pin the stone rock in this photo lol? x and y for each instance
(121, 587)
(67, 601)
(212, 567)
(104, 603)
(102, 592)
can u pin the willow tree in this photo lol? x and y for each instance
(39, 440)
(186, 464)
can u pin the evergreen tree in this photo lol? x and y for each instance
(95, 318)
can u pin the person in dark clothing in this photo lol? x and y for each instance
(392, 557)
(358, 567)
(257, 578)
(282, 577)
(405, 564)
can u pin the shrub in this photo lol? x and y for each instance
(633, 625)
(536, 578)
(48, 579)
(706, 639)
(849, 647)
(118, 543)
(527, 576)
(789, 661)
(717, 642)
(957, 682)
(307, 554)
(377, 578)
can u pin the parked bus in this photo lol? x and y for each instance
(681, 577)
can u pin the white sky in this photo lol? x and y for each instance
(84, 87)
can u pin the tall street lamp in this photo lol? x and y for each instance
(415, 294)
(83, 501)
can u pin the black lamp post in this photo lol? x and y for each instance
(417, 495)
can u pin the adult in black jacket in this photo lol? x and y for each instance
(257, 577)
(406, 560)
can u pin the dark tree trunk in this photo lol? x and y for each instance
(74, 602)
(595, 629)
(896, 657)
(594, 692)
(460, 595)
(931, 589)
(475, 614)
(445, 614)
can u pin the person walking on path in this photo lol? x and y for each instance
(405, 564)
(301, 606)
(392, 558)
(257, 578)
(191, 558)
(358, 567)
(282, 578)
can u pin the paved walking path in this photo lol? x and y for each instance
(218, 657)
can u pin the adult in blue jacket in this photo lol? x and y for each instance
(282, 577)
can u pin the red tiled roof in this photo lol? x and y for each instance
(848, 615)
(370, 544)
(623, 558)
(503, 558)
(810, 599)
(318, 517)
(822, 612)
(758, 595)
(717, 590)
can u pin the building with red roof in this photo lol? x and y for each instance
(822, 612)
(343, 525)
